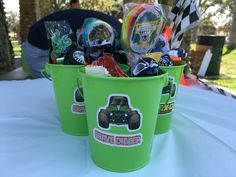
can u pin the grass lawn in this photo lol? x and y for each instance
(227, 71)
(16, 48)
(228, 64)
(227, 82)
(227, 77)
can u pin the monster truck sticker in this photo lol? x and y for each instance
(78, 107)
(166, 108)
(166, 90)
(119, 112)
(146, 30)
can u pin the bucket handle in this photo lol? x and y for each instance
(170, 82)
(79, 84)
(45, 72)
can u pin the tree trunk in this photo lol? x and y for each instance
(232, 37)
(28, 16)
(6, 50)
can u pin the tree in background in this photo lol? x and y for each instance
(220, 9)
(207, 28)
(46, 7)
(13, 23)
(232, 37)
(104, 6)
(111, 7)
(117, 9)
(6, 50)
(210, 10)
(214, 8)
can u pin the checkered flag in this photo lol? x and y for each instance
(184, 16)
(176, 9)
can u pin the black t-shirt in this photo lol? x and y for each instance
(75, 17)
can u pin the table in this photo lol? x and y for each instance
(201, 142)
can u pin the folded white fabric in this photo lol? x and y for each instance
(201, 141)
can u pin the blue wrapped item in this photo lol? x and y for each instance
(178, 53)
(146, 67)
(165, 61)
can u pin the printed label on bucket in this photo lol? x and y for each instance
(119, 112)
(78, 107)
(117, 139)
(166, 108)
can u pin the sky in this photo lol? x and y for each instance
(11, 5)
(219, 20)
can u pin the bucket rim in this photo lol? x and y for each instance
(121, 78)
(182, 64)
(64, 66)
(169, 67)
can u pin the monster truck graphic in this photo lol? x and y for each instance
(78, 106)
(118, 112)
(167, 89)
(78, 96)
(146, 30)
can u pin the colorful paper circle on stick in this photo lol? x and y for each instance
(129, 21)
(146, 30)
(97, 33)
(134, 14)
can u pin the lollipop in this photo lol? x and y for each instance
(133, 16)
(146, 30)
(97, 33)
(60, 37)
(129, 21)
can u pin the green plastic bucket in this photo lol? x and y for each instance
(70, 103)
(169, 92)
(121, 117)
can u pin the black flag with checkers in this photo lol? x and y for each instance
(184, 16)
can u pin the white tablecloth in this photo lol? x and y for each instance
(201, 142)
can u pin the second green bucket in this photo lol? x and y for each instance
(121, 117)
(165, 110)
(70, 103)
